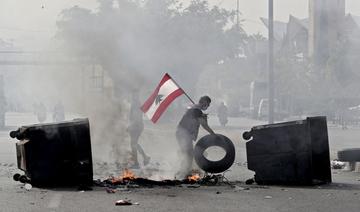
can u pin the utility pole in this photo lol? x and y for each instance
(271, 62)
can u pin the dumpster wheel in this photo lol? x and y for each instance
(214, 166)
(247, 135)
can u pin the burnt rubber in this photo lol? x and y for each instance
(214, 166)
(352, 154)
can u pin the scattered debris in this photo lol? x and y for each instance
(239, 188)
(193, 186)
(336, 164)
(28, 186)
(260, 186)
(110, 190)
(123, 189)
(123, 202)
(132, 186)
(268, 197)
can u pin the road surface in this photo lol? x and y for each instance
(342, 195)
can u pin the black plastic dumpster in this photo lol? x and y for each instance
(55, 154)
(295, 152)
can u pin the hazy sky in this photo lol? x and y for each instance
(31, 23)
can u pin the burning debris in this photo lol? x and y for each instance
(194, 178)
(129, 179)
(127, 175)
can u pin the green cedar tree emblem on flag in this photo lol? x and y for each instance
(159, 99)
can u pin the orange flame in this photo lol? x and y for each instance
(194, 178)
(126, 175)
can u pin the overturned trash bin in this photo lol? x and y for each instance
(295, 152)
(55, 154)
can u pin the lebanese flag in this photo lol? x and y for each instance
(166, 92)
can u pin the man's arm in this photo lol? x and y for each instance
(204, 124)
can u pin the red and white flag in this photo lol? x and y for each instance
(166, 92)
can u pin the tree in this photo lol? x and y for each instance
(141, 41)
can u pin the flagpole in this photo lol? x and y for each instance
(181, 89)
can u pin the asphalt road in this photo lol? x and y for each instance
(342, 195)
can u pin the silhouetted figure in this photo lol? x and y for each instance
(187, 132)
(344, 118)
(41, 112)
(222, 114)
(343, 115)
(58, 113)
(135, 128)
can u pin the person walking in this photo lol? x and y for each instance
(135, 129)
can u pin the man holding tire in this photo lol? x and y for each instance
(187, 132)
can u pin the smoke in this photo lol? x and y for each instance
(133, 44)
(99, 57)
(126, 45)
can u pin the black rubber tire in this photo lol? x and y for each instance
(352, 154)
(214, 166)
